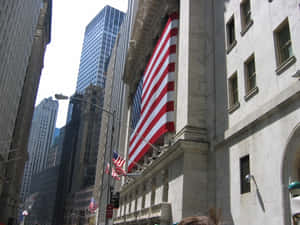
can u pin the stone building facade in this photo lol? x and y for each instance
(262, 52)
(115, 96)
(25, 33)
(237, 113)
(175, 180)
(44, 185)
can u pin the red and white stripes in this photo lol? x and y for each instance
(157, 106)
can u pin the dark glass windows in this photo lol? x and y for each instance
(283, 42)
(250, 74)
(230, 30)
(244, 171)
(246, 14)
(233, 90)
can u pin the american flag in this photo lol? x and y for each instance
(153, 103)
(119, 163)
(92, 206)
(118, 160)
(114, 174)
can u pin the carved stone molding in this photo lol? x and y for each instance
(147, 27)
(192, 133)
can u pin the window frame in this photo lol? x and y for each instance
(245, 186)
(233, 105)
(280, 59)
(250, 91)
(245, 23)
(144, 189)
(229, 25)
(153, 192)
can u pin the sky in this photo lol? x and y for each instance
(62, 57)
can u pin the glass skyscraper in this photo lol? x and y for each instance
(99, 38)
(40, 139)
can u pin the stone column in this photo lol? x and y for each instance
(194, 65)
(195, 186)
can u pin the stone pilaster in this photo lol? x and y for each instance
(193, 67)
(195, 186)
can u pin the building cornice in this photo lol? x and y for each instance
(169, 154)
(149, 17)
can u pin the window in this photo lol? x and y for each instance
(124, 212)
(283, 43)
(233, 91)
(246, 15)
(250, 74)
(129, 207)
(153, 191)
(244, 170)
(165, 196)
(136, 199)
(230, 30)
(143, 196)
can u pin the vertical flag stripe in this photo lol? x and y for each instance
(156, 107)
(166, 128)
(155, 94)
(170, 23)
(166, 108)
(167, 51)
(153, 103)
(168, 58)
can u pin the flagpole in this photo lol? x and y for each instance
(110, 159)
(143, 139)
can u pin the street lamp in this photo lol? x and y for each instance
(294, 189)
(112, 115)
(64, 97)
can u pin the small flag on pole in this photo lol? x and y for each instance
(92, 206)
(25, 213)
(114, 174)
(119, 163)
(118, 160)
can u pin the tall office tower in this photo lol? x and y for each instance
(55, 151)
(114, 100)
(45, 184)
(24, 34)
(79, 155)
(99, 38)
(41, 134)
(68, 154)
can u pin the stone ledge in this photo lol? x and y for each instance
(191, 133)
(246, 28)
(285, 65)
(251, 93)
(170, 153)
(160, 212)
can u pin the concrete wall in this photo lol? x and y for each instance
(263, 124)
(175, 192)
(266, 145)
(18, 26)
(260, 41)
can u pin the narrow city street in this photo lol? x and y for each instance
(147, 112)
